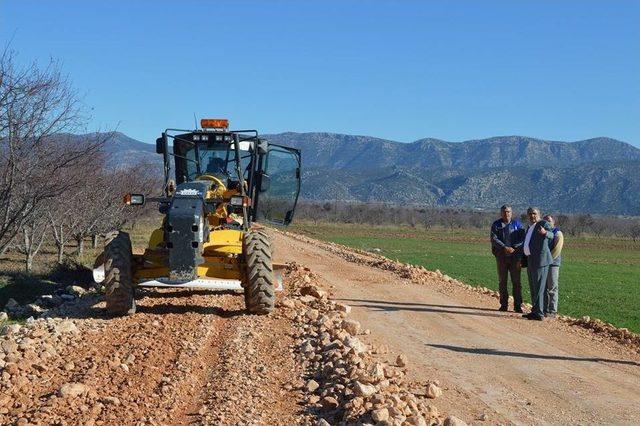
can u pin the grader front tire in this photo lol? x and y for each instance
(118, 264)
(259, 288)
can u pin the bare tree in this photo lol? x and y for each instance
(37, 107)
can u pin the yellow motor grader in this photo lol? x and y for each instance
(217, 182)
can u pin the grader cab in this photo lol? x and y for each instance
(217, 183)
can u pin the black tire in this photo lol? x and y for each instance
(119, 290)
(259, 291)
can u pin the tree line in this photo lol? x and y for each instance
(457, 218)
(52, 187)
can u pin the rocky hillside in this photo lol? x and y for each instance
(600, 175)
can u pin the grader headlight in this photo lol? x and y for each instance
(134, 199)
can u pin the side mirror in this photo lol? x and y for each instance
(263, 147)
(265, 182)
(160, 146)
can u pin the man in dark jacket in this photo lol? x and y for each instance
(506, 243)
(536, 248)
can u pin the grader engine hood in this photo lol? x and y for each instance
(186, 230)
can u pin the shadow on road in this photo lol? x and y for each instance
(163, 309)
(488, 351)
(381, 305)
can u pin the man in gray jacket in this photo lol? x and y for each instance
(536, 248)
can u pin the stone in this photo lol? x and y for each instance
(76, 290)
(343, 308)
(453, 421)
(10, 329)
(416, 420)
(312, 314)
(9, 346)
(313, 291)
(3, 317)
(381, 415)
(322, 422)
(312, 385)
(11, 305)
(351, 326)
(67, 297)
(329, 402)
(288, 303)
(66, 326)
(401, 360)
(111, 400)
(360, 389)
(433, 391)
(71, 390)
(355, 344)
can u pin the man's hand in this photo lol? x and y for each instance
(542, 231)
(508, 250)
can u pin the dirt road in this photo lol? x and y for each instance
(494, 366)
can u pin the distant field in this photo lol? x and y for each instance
(599, 277)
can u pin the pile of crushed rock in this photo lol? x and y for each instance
(347, 380)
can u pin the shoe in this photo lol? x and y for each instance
(526, 315)
(503, 308)
(535, 318)
(550, 315)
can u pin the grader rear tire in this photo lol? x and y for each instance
(259, 291)
(119, 275)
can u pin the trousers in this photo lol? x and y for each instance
(509, 265)
(551, 293)
(538, 286)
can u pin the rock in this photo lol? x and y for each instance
(329, 402)
(381, 415)
(66, 326)
(433, 391)
(111, 400)
(11, 305)
(453, 421)
(313, 291)
(360, 389)
(124, 367)
(288, 303)
(71, 390)
(69, 366)
(401, 360)
(355, 344)
(322, 422)
(3, 317)
(351, 326)
(49, 301)
(312, 314)
(10, 329)
(9, 346)
(416, 420)
(343, 308)
(76, 290)
(312, 385)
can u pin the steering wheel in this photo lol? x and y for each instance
(220, 186)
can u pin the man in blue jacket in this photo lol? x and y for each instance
(536, 248)
(506, 243)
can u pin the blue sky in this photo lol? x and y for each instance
(562, 70)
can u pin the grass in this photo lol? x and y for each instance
(599, 277)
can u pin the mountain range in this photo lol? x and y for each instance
(599, 175)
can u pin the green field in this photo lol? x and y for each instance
(599, 277)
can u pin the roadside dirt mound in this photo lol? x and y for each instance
(421, 275)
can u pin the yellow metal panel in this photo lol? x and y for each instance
(226, 241)
(157, 237)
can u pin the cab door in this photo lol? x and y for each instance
(279, 185)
